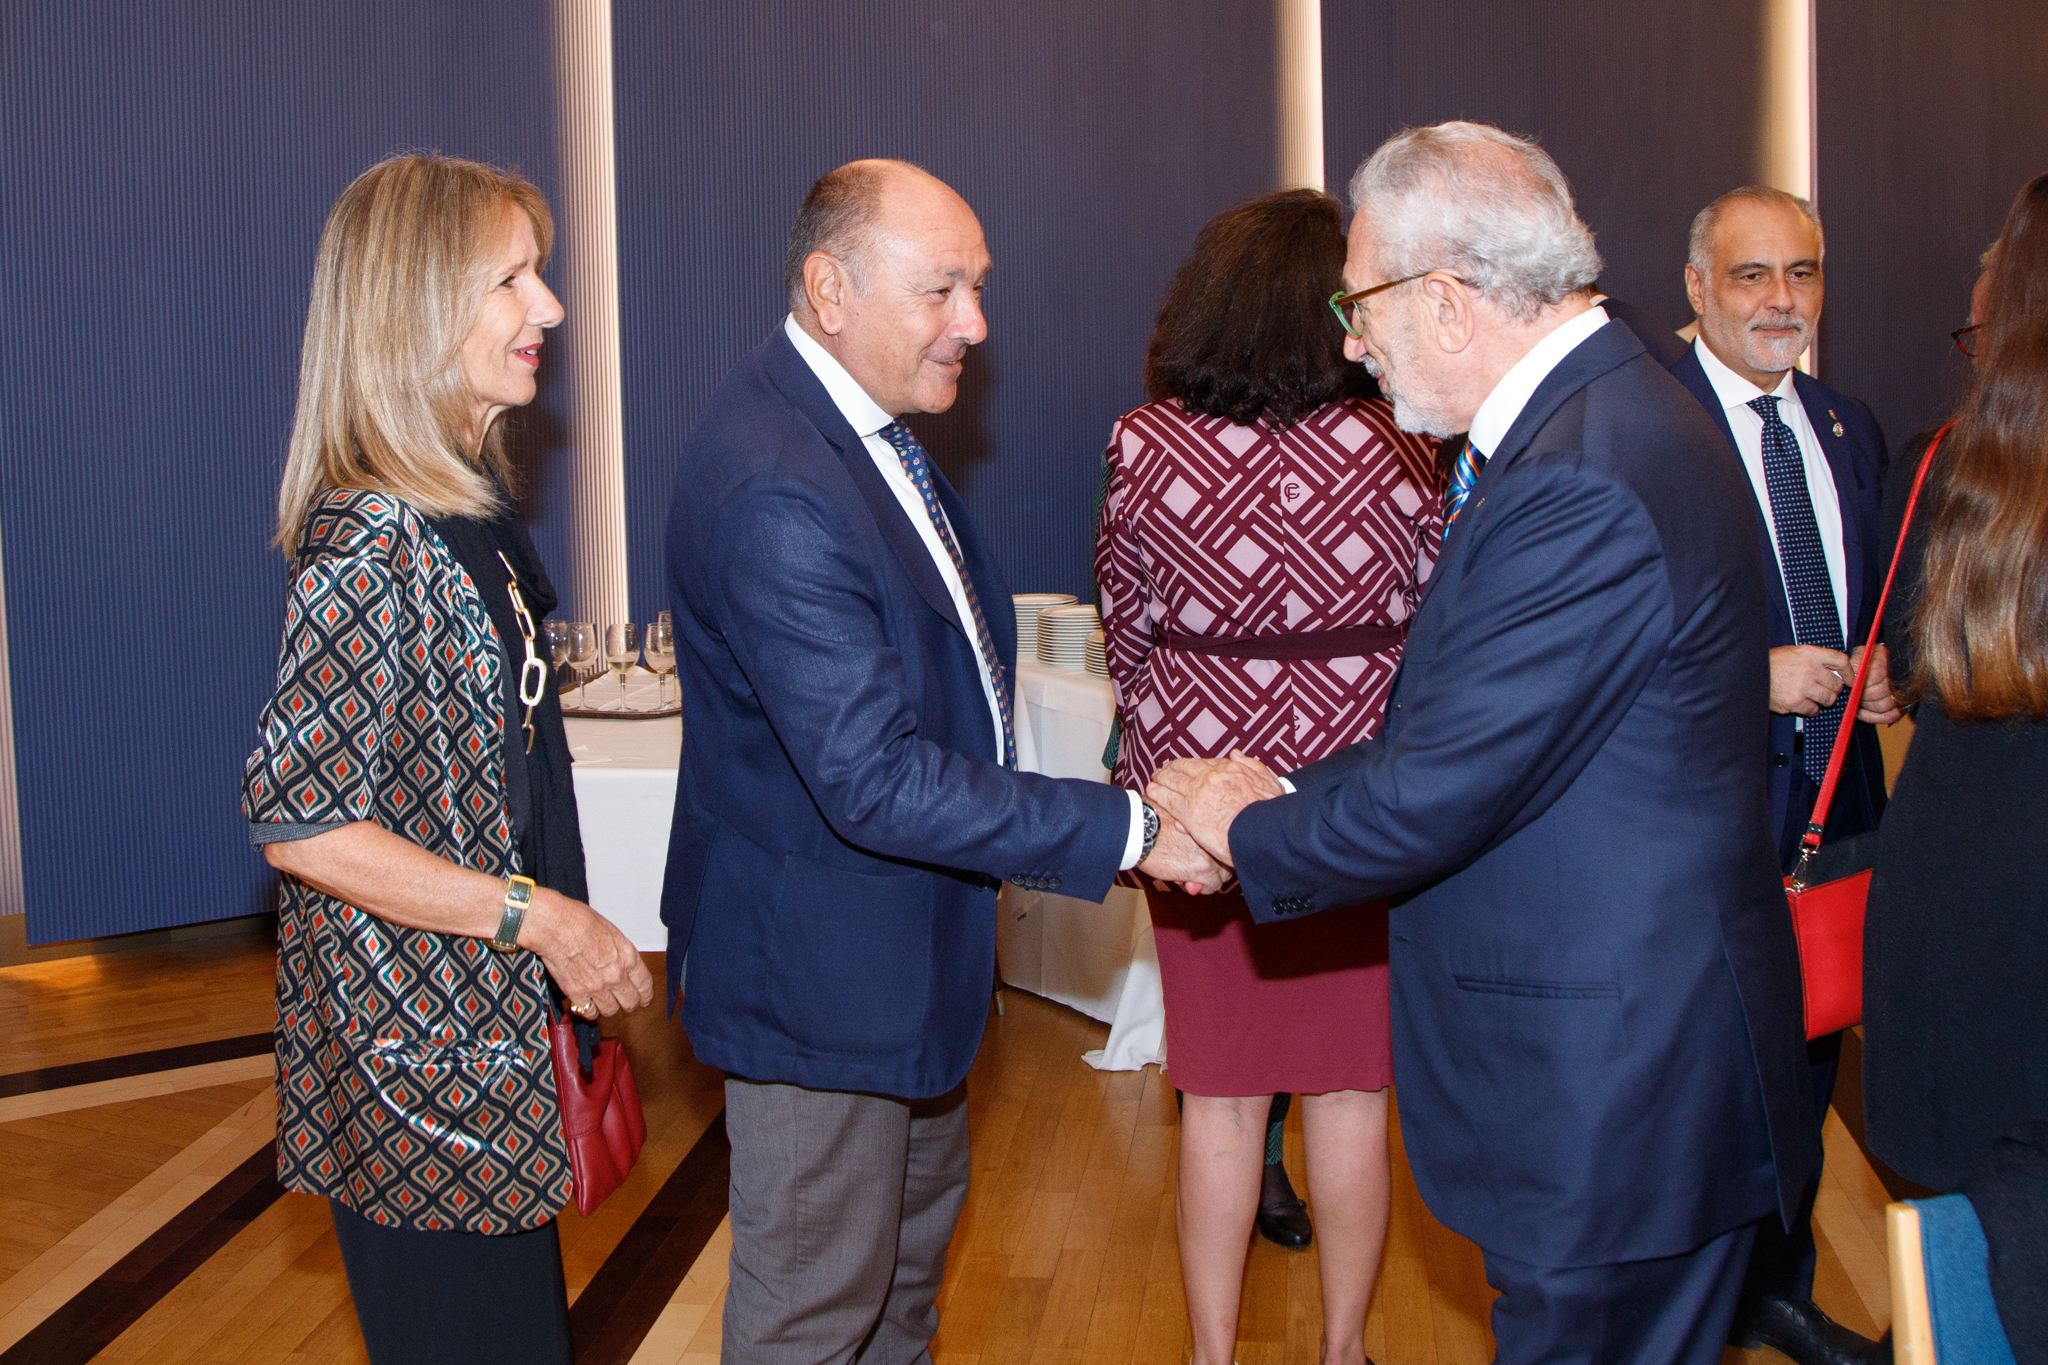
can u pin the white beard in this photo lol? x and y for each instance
(1421, 412)
(1775, 357)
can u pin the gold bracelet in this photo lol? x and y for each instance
(518, 897)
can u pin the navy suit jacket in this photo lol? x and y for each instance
(1595, 987)
(1858, 460)
(842, 813)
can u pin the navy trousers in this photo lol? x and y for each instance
(1671, 1311)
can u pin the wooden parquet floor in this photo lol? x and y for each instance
(1065, 1254)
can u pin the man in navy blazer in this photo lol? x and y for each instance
(1595, 989)
(1754, 276)
(848, 799)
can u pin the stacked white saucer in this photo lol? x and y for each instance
(1063, 636)
(1029, 604)
(1098, 655)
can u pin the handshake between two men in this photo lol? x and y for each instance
(1197, 798)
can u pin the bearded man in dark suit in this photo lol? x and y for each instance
(1814, 460)
(1595, 988)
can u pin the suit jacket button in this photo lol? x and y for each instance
(1052, 883)
(1778, 759)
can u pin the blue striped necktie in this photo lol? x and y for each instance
(1803, 564)
(1464, 473)
(919, 468)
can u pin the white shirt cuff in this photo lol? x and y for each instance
(1136, 843)
(1285, 785)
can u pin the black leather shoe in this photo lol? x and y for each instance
(1283, 1219)
(1797, 1329)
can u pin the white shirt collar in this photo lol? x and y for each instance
(863, 413)
(1731, 388)
(1502, 406)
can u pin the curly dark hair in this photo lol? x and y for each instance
(1245, 330)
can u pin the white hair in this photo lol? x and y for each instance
(1489, 207)
(1699, 244)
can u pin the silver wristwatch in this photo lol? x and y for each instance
(1151, 831)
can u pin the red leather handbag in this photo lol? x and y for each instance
(1828, 887)
(601, 1116)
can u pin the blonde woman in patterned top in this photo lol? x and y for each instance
(1265, 534)
(412, 780)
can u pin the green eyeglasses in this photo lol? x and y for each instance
(1345, 306)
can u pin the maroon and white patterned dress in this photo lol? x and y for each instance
(1219, 530)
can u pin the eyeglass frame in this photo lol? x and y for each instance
(1341, 301)
(1964, 346)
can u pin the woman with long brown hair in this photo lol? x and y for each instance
(1956, 939)
(1265, 535)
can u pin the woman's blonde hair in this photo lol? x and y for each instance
(404, 263)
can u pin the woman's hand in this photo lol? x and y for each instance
(594, 964)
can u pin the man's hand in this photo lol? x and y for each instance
(1879, 706)
(1806, 678)
(1178, 858)
(1205, 795)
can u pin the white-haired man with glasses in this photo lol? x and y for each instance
(1595, 987)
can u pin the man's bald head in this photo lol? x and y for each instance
(842, 214)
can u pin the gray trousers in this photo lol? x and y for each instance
(843, 1205)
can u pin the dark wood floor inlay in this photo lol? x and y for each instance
(617, 1308)
(134, 1064)
(107, 1307)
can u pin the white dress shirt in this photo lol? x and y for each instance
(1736, 394)
(867, 419)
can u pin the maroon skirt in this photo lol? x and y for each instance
(1254, 1009)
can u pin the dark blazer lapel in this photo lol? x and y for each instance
(990, 589)
(806, 393)
(1850, 494)
(1608, 347)
(1693, 375)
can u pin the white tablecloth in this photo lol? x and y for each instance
(1100, 959)
(625, 775)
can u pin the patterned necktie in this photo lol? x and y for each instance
(1464, 473)
(1803, 564)
(919, 469)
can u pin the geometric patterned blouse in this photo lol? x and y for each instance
(1210, 528)
(413, 1074)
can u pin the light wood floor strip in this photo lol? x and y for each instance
(95, 1093)
(45, 1284)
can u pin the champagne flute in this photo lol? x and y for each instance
(582, 649)
(621, 648)
(558, 644)
(659, 642)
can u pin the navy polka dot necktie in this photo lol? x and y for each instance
(918, 467)
(1804, 566)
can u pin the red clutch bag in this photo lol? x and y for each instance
(1828, 888)
(601, 1116)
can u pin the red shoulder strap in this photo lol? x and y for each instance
(1811, 839)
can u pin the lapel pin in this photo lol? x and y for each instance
(1838, 422)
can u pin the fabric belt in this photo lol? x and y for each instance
(1307, 644)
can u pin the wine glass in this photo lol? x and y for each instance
(621, 648)
(582, 649)
(659, 644)
(558, 643)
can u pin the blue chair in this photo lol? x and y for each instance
(1942, 1313)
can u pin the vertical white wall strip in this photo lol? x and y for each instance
(12, 901)
(1300, 92)
(588, 230)
(1785, 151)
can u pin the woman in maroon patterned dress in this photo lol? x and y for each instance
(1266, 531)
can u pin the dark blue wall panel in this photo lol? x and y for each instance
(1092, 139)
(1650, 109)
(167, 169)
(1931, 118)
